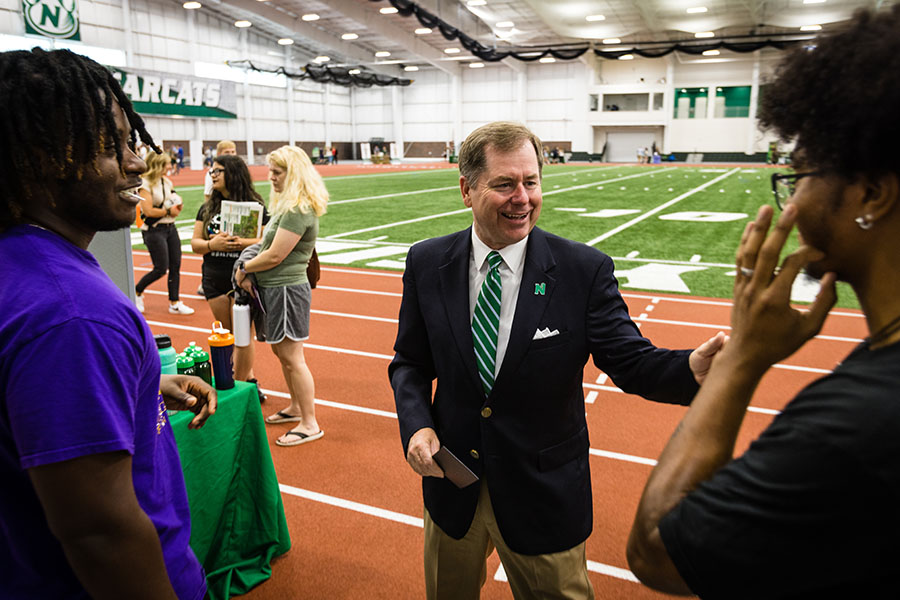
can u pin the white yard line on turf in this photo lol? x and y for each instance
(659, 208)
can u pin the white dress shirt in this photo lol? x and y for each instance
(510, 280)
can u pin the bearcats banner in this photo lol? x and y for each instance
(154, 93)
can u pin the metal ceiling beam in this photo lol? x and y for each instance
(314, 34)
(377, 23)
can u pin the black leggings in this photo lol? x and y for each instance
(165, 251)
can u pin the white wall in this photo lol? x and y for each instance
(551, 98)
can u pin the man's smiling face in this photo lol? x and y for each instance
(506, 200)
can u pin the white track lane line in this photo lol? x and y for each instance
(397, 517)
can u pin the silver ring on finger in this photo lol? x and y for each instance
(746, 272)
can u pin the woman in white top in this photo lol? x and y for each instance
(160, 205)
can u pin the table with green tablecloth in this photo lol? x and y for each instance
(237, 516)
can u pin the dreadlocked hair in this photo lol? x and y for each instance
(57, 118)
(238, 183)
(840, 97)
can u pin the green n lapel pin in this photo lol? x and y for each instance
(540, 289)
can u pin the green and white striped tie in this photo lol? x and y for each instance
(486, 323)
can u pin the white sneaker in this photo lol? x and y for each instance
(139, 302)
(179, 308)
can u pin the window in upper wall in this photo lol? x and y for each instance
(690, 103)
(594, 102)
(629, 102)
(732, 102)
(658, 101)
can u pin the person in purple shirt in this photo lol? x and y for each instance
(93, 501)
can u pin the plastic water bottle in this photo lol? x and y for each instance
(185, 364)
(202, 366)
(221, 350)
(240, 318)
(166, 354)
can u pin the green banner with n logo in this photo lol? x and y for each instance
(52, 18)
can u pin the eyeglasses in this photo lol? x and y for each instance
(785, 184)
(215, 172)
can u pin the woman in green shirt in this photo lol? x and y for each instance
(297, 200)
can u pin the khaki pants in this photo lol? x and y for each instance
(457, 569)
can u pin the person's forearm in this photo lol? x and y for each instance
(263, 261)
(201, 246)
(122, 560)
(702, 443)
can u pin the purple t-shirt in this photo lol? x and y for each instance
(79, 375)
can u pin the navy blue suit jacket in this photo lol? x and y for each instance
(532, 450)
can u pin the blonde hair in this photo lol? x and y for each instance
(225, 145)
(303, 186)
(157, 164)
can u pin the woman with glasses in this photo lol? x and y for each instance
(231, 181)
(297, 201)
(160, 205)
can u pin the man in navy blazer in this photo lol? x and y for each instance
(527, 438)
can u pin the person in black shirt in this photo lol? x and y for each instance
(808, 510)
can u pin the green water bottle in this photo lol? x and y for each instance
(185, 364)
(202, 366)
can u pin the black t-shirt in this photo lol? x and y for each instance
(220, 261)
(809, 511)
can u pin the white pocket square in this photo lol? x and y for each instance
(541, 334)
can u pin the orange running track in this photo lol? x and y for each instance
(354, 506)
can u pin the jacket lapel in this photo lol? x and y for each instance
(534, 296)
(454, 278)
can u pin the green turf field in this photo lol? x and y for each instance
(671, 229)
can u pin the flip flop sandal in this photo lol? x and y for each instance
(302, 438)
(282, 417)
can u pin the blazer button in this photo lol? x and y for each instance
(473, 453)
(486, 412)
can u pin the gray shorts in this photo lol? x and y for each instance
(287, 312)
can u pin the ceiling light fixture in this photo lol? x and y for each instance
(191, 5)
(627, 57)
(451, 50)
(310, 17)
(382, 54)
(711, 53)
(388, 10)
(423, 31)
(476, 2)
(592, 18)
(813, 1)
(612, 41)
(349, 36)
(411, 68)
(811, 28)
(704, 34)
(354, 71)
(242, 23)
(506, 24)
(321, 59)
(478, 65)
(696, 10)
(285, 42)
(547, 59)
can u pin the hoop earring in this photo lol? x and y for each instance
(864, 223)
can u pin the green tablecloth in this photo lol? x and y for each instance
(237, 517)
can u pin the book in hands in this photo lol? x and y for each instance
(454, 469)
(242, 219)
